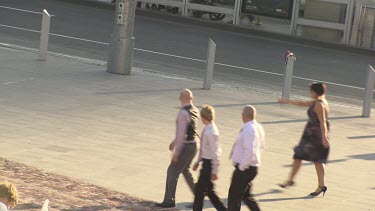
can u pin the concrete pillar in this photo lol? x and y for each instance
(122, 45)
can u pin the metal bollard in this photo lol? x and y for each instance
(44, 36)
(367, 100)
(184, 8)
(289, 66)
(211, 51)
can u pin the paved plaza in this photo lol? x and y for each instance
(72, 118)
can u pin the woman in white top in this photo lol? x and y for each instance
(209, 155)
(8, 196)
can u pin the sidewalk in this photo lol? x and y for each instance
(72, 118)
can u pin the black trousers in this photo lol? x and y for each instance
(240, 189)
(206, 187)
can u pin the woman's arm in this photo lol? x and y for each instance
(296, 102)
(320, 110)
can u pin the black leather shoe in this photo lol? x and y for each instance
(165, 205)
(191, 205)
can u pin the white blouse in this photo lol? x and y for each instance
(210, 146)
(3, 207)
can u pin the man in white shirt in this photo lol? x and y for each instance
(246, 159)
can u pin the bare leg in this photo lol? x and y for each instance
(320, 171)
(296, 166)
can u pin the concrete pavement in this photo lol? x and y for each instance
(72, 118)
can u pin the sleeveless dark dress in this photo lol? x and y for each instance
(311, 147)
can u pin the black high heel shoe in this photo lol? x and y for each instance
(319, 191)
(287, 184)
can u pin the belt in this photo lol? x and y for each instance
(236, 166)
(190, 142)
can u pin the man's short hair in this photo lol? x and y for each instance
(208, 112)
(9, 191)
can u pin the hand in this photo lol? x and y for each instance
(283, 100)
(175, 158)
(171, 146)
(214, 177)
(195, 167)
(325, 142)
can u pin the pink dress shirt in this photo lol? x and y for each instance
(182, 123)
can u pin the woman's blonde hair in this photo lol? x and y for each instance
(9, 191)
(208, 112)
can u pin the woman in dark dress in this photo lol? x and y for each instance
(314, 144)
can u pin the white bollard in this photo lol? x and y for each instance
(289, 66)
(45, 205)
(44, 36)
(211, 51)
(369, 90)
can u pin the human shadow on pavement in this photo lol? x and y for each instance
(362, 137)
(207, 203)
(243, 104)
(236, 105)
(142, 91)
(272, 191)
(285, 199)
(305, 120)
(311, 163)
(369, 156)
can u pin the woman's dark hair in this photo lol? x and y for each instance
(319, 88)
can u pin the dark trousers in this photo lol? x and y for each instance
(175, 169)
(240, 188)
(206, 187)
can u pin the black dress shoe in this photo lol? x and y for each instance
(191, 205)
(165, 205)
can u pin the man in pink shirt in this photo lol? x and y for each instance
(184, 148)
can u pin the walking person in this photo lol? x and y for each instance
(246, 157)
(184, 148)
(209, 155)
(314, 144)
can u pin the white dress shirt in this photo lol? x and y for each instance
(3, 207)
(210, 146)
(249, 145)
